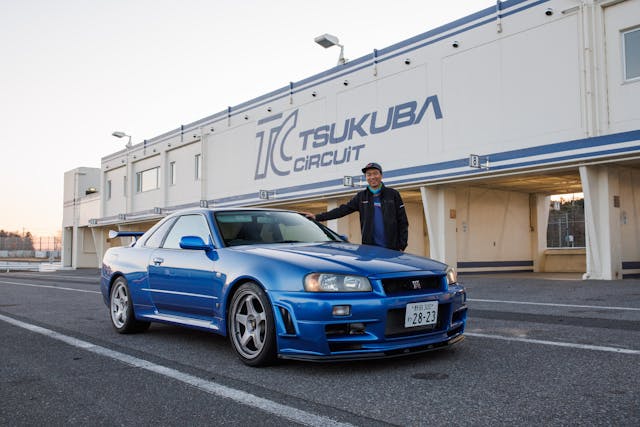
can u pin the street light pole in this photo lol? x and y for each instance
(128, 178)
(119, 134)
(328, 40)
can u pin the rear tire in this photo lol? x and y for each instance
(121, 311)
(251, 326)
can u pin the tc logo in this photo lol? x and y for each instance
(272, 147)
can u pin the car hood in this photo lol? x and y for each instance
(343, 258)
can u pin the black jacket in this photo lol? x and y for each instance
(396, 225)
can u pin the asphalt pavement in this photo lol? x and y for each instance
(540, 349)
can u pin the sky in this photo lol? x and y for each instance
(74, 71)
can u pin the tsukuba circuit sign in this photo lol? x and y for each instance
(283, 149)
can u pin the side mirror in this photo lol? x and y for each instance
(195, 243)
(344, 237)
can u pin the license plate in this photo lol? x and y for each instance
(421, 314)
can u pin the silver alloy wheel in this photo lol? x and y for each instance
(249, 324)
(119, 304)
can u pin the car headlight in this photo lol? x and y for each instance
(452, 276)
(329, 282)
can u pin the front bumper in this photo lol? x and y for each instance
(307, 329)
(376, 355)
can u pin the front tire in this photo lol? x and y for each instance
(251, 326)
(121, 311)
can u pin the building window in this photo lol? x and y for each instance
(172, 173)
(198, 166)
(124, 186)
(147, 180)
(108, 190)
(631, 49)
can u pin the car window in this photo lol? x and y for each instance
(187, 225)
(260, 227)
(155, 240)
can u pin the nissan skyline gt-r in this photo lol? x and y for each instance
(281, 285)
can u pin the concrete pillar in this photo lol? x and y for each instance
(75, 245)
(130, 184)
(600, 185)
(439, 204)
(67, 247)
(540, 221)
(164, 181)
(203, 166)
(103, 193)
(99, 240)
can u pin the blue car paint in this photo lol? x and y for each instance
(208, 279)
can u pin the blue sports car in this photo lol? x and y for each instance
(281, 285)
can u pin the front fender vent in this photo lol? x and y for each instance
(288, 321)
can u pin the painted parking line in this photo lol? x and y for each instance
(470, 334)
(269, 406)
(548, 304)
(556, 343)
(61, 288)
(470, 299)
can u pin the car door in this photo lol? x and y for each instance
(184, 282)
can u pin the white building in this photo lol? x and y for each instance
(545, 95)
(81, 203)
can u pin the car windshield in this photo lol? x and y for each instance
(260, 227)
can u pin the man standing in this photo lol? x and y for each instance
(383, 220)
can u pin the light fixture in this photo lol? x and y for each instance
(119, 134)
(341, 310)
(328, 40)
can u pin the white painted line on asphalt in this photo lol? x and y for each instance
(278, 409)
(62, 288)
(549, 304)
(556, 343)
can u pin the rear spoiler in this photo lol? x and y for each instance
(113, 234)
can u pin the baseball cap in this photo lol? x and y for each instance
(372, 166)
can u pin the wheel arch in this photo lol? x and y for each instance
(112, 280)
(233, 288)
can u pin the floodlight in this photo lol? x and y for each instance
(328, 40)
(119, 134)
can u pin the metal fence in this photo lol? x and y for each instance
(566, 226)
(30, 247)
(32, 243)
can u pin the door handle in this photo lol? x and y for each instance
(158, 261)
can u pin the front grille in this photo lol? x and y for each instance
(414, 285)
(395, 323)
